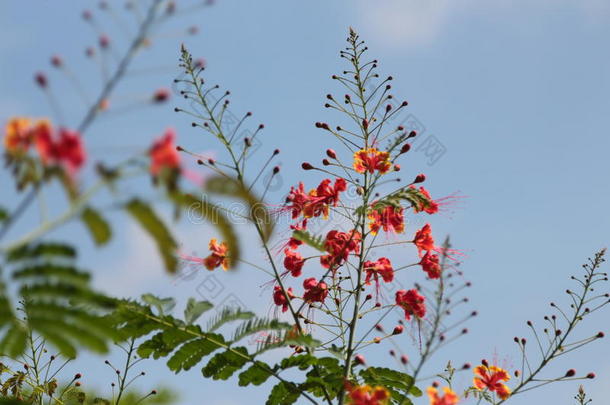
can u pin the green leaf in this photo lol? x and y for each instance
(256, 374)
(258, 325)
(47, 272)
(14, 341)
(41, 250)
(191, 353)
(3, 214)
(163, 305)
(228, 315)
(258, 211)
(302, 361)
(224, 365)
(284, 393)
(98, 227)
(152, 224)
(201, 208)
(396, 382)
(315, 241)
(194, 309)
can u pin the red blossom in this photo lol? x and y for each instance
(339, 245)
(64, 149)
(412, 302)
(218, 257)
(163, 153)
(279, 298)
(381, 267)
(367, 395)
(293, 262)
(423, 240)
(492, 378)
(317, 201)
(295, 243)
(315, 291)
(430, 264)
(389, 219)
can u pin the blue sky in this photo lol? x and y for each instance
(515, 93)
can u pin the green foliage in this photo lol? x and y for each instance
(194, 309)
(399, 384)
(152, 224)
(283, 393)
(224, 365)
(412, 195)
(258, 212)
(163, 305)
(57, 302)
(98, 227)
(315, 241)
(228, 315)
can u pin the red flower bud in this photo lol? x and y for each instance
(359, 359)
(306, 166)
(56, 61)
(365, 124)
(325, 162)
(591, 376)
(331, 153)
(600, 335)
(570, 373)
(405, 148)
(41, 79)
(379, 327)
(420, 178)
(398, 329)
(404, 359)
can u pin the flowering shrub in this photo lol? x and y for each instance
(329, 288)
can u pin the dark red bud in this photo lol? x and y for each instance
(306, 166)
(404, 359)
(276, 170)
(104, 41)
(398, 329)
(600, 335)
(570, 373)
(77, 376)
(388, 108)
(405, 148)
(325, 162)
(161, 95)
(56, 61)
(331, 153)
(41, 79)
(412, 134)
(359, 359)
(420, 178)
(365, 124)
(591, 376)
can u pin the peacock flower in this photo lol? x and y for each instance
(492, 378)
(412, 302)
(389, 219)
(367, 395)
(372, 159)
(449, 397)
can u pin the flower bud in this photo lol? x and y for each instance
(570, 373)
(331, 153)
(41, 79)
(326, 162)
(404, 359)
(359, 359)
(398, 329)
(377, 339)
(306, 166)
(161, 95)
(591, 376)
(379, 327)
(365, 124)
(420, 178)
(56, 61)
(405, 148)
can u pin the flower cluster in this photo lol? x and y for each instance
(62, 147)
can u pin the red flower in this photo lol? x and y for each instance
(423, 240)
(382, 267)
(163, 153)
(449, 397)
(390, 219)
(279, 298)
(314, 291)
(218, 257)
(293, 262)
(430, 264)
(491, 378)
(339, 245)
(66, 149)
(370, 160)
(412, 302)
(317, 201)
(295, 243)
(367, 395)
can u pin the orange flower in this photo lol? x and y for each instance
(218, 256)
(370, 160)
(389, 218)
(63, 148)
(412, 302)
(423, 240)
(449, 397)
(491, 378)
(18, 135)
(367, 395)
